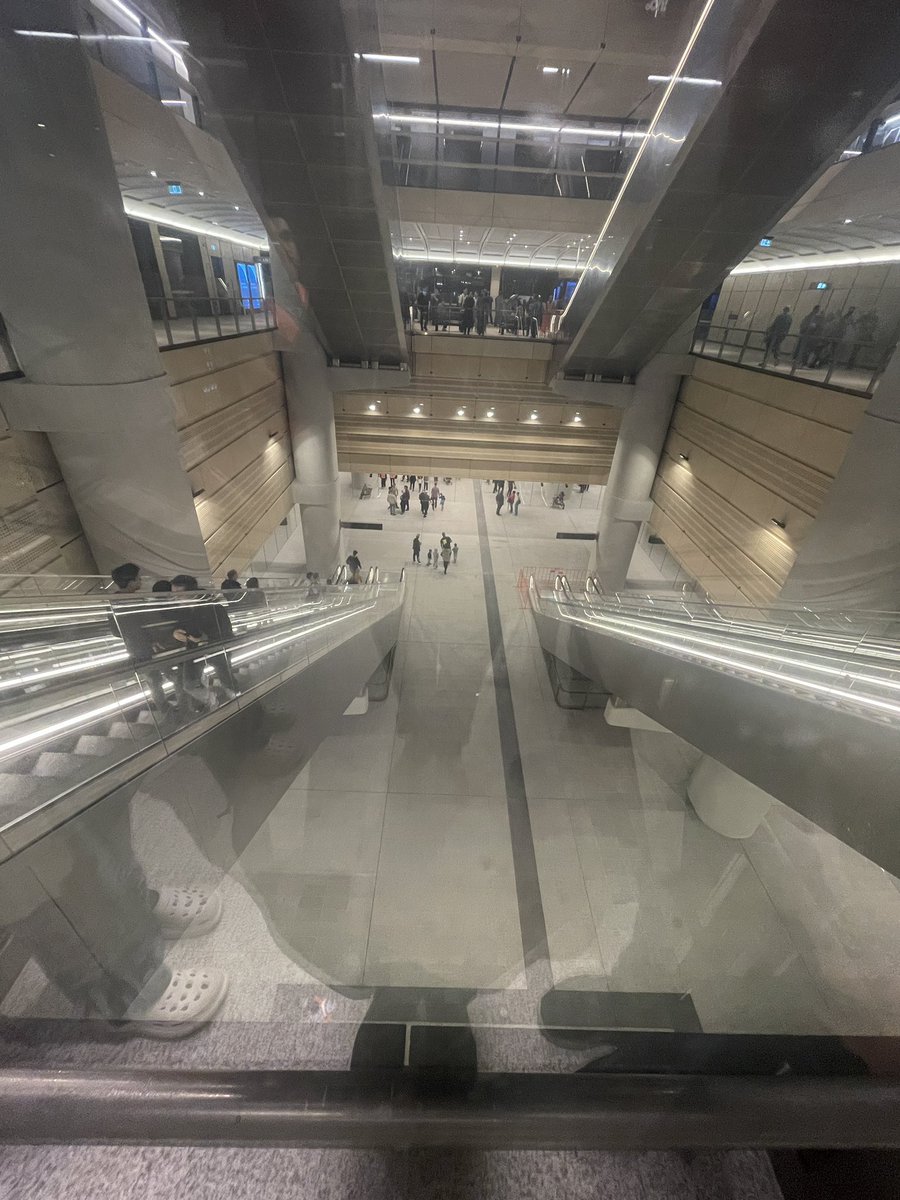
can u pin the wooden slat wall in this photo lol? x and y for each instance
(454, 433)
(39, 528)
(235, 442)
(758, 447)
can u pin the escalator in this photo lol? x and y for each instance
(96, 689)
(804, 704)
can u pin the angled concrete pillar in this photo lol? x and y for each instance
(626, 501)
(310, 406)
(74, 306)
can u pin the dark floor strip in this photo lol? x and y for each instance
(528, 890)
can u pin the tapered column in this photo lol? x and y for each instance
(74, 305)
(626, 501)
(311, 413)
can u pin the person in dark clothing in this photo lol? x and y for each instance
(200, 624)
(230, 580)
(422, 308)
(775, 335)
(404, 500)
(445, 557)
(424, 500)
(404, 312)
(482, 312)
(354, 567)
(810, 328)
(254, 596)
(435, 496)
(417, 548)
(500, 498)
(535, 315)
(467, 317)
(162, 585)
(126, 577)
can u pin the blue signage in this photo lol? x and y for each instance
(765, 241)
(175, 189)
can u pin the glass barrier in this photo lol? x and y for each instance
(184, 320)
(87, 684)
(330, 834)
(833, 362)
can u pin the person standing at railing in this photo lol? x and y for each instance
(810, 329)
(775, 335)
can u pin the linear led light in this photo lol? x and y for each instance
(510, 126)
(695, 33)
(413, 59)
(819, 262)
(152, 212)
(633, 631)
(158, 38)
(684, 79)
(513, 260)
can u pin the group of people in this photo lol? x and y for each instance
(473, 309)
(399, 501)
(506, 492)
(447, 551)
(823, 338)
(162, 626)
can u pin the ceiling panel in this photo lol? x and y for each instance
(469, 20)
(471, 80)
(532, 90)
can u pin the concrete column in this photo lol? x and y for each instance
(74, 304)
(626, 501)
(311, 413)
(851, 556)
(725, 801)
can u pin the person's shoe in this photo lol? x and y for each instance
(190, 1002)
(187, 912)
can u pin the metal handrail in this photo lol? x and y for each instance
(228, 314)
(386, 1108)
(808, 355)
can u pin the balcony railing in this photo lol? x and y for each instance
(184, 320)
(847, 366)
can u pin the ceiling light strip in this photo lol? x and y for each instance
(651, 131)
(818, 262)
(163, 216)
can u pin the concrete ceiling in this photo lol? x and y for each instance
(490, 245)
(492, 55)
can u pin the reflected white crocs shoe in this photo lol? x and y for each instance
(191, 1000)
(187, 912)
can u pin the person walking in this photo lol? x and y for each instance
(437, 557)
(535, 315)
(445, 557)
(517, 503)
(455, 551)
(393, 502)
(423, 500)
(404, 500)
(500, 499)
(417, 549)
(428, 563)
(435, 495)
(775, 335)
(354, 567)
(443, 500)
(511, 498)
